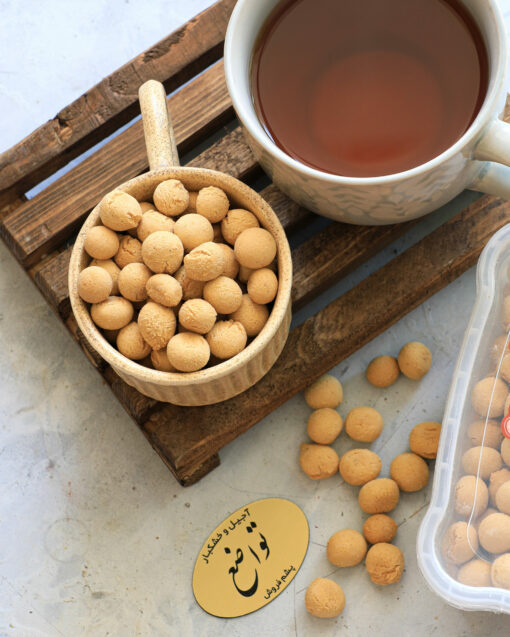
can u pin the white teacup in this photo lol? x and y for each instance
(478, 160)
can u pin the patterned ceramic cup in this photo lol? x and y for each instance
(479, 160)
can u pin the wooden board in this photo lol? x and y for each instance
(114, 101)
(40, 232)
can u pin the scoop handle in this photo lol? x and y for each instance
(157, 126)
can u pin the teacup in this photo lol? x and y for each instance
(479, 160)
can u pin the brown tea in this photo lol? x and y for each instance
(364, 88)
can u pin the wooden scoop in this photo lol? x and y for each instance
(231, 377)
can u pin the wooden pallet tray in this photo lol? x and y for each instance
(39, 231)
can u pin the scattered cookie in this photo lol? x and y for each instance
(326, 391)
(414, 360)
(383, 371)
(379, 528)
(359, 466)
(424, 439)
(410, 472)
(379, 496)
(346, 548)
(364, 424)
(324, 425)
(385, 564)
(324, 598)
(318, 461)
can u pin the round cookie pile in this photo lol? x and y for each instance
(377, 496)
(182, 283)
(476, 544)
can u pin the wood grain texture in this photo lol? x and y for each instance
(191, 435)
(51, 278)
(10, 201)
(290, 213)
(114, 101)
(36, 227)
(137, 405)
(230, 154)
(333, 253)
(89, 352)
(187, 478)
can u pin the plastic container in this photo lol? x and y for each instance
(478, 359)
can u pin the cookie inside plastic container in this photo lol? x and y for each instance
(464, 539)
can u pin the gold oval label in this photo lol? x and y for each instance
(251, 557)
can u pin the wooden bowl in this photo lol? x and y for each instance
(232, 376)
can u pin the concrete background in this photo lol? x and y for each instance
(96, 536)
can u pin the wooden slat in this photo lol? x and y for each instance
(51, 275)
(192, 434)
(291, 214)
(196, 473)
(10, 201)
(96, 360)
(39, 225)
(114, 101)
(334, 252)
(51, 278)
(137, 405)
(230, 154)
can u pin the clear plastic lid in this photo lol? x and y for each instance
(464, 540)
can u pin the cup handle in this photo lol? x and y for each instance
(157, 126)
(494, 149)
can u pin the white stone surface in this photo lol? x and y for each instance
(96, 536)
